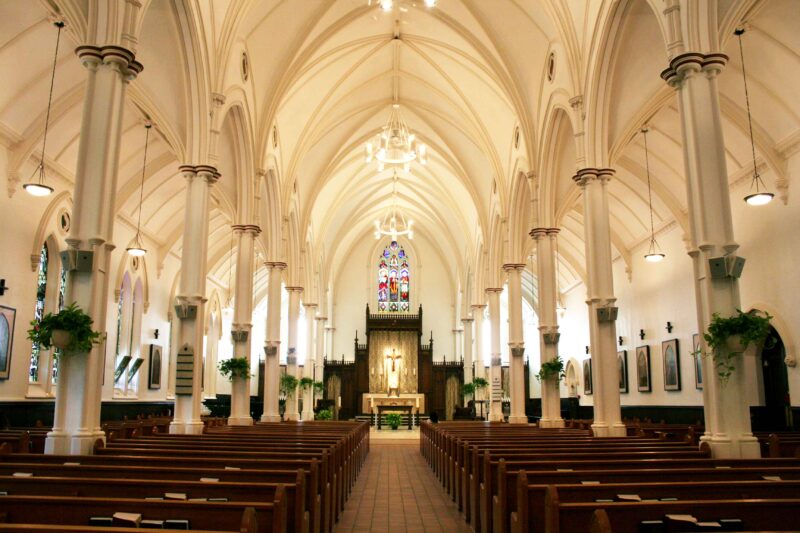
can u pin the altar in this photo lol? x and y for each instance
(372, 400)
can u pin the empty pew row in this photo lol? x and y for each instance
(225, 469)
(481, 466)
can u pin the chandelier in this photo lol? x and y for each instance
(136, 246)
(393, 223)
(395, 144)
(388, 5)
(654, 253)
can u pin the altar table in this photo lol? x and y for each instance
(404, 408)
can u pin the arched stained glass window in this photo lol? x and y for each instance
(38, 313)
(393, 279)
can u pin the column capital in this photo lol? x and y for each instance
(321, 318)
(514, 266)
(537, 233)
(478, 306)
(294, 289)
(275, 265)
(206, 172)
(689, 62)
(247, 228)
(491, 290)
(467, 320)
(122, 57)
(310, 304)
(589, 174)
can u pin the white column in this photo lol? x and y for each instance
(319, 360)
(190, 301)
(477, 354)
(272, 367)
(242, 322)
(308, 367)
(496, 372)
(295, 293)
(694, 75)
(468, 374)
(516, 344)
(76, 423)
(601, 302)
(548, 321)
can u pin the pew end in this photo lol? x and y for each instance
(600, 522)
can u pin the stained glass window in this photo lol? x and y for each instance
(38, 313)
(393, 279)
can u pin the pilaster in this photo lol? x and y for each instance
(295, 294)
(310, 359)
(496, 372)
(467, 325)
(516, 344)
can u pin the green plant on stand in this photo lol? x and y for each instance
(235, 367)
(306, 383)
(729, 337)
(319, 387)
(393, 420)
(468, 389)
(324, 414)
(552, 369)
(70, 330)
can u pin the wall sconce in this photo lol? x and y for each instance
(669, 327)
(587, 350)
(620, 340)
(155, 333)
(414, 371)
(641, 334)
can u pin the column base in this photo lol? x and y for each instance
(193, 427)
(604, 430)
(240, 421)
(291, 417)
(57, 443)
(82, 443)
(270, 418)
(308, 416)
(518, 419)
(725, 447)
(551, 423)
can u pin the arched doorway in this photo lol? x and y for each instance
(776, 413)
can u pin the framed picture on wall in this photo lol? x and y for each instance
(7, 319)
(587, 376)
(622, 364)
(697, 357)
(643, 383)
(672, 365)
(154, 374)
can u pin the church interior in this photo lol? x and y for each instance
(355, 259)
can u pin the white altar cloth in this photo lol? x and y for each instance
(371, 400)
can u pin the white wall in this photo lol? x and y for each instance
(432, 285)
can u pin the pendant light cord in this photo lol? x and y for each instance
(756, 177)
(649, 191)
(141, 189)
(60, 26)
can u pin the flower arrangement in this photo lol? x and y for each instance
(235, 367)
(70, 330)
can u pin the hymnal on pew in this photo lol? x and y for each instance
(127, 519)
(629, 497)
(152, 524)
(209, 479)
(22, 474)
(174, 496)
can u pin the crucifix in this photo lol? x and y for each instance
(393, 376)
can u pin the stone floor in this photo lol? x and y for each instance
(396, 492)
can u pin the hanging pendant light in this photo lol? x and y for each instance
(394, 224)
(759, 197)
(395, 145)
(654, 253)
(38, 188)
(136, 247)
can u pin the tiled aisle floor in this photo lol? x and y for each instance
(397, 492)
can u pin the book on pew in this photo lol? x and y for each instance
(218, 499)
(590, 482)
(152, 524)
(709, 526)
(22, 474)
(3, 493)
(209, 479)
(629, 497)
(127, 519)
(198, 499)
(681, 518)
(71, 463)
(232, 468)
(731, 524)
(176, 524)
(604, 500)
(651, 526)
(101, 521)
(771, 478)
(157, 498)
(174, 496)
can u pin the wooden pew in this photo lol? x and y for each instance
(755, 514)
(67, 510)
(16, 441)
(692, 485)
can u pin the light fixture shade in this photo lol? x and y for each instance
(386, 5)
(136, 247)
(430, 3)
(654, 253)
(37, 189)
(759, 198)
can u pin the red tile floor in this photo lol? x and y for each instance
(396, 492)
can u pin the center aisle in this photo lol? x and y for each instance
(396, 492)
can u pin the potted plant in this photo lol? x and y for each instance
(552, 369)
(70, 330)
(323, 414)
(235, 367)
(468, 389)
(480, 384)
(729, 337)
(306, 383)
(393, 420)
(319, 387)
(288, 384)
